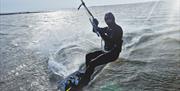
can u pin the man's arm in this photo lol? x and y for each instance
(101, 31)
(104, 36)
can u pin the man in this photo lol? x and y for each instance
(112, 36)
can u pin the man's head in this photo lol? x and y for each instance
(109, 19)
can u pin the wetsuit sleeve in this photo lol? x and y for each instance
(102, 32)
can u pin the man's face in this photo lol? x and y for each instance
(108, 20)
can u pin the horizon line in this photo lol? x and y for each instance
(70, 8)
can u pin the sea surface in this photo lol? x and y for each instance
(39, 49)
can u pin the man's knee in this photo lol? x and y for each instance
(88, 56)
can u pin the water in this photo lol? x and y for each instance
(37, 49)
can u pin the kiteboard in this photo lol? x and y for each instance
(73, 82)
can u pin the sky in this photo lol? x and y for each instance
(49, 5)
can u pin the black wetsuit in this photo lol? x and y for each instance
(113, 43)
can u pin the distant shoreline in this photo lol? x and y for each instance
(27, 12)
(14, 13)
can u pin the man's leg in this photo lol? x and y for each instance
(100, 60)
(104, 59)
(91, 56)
